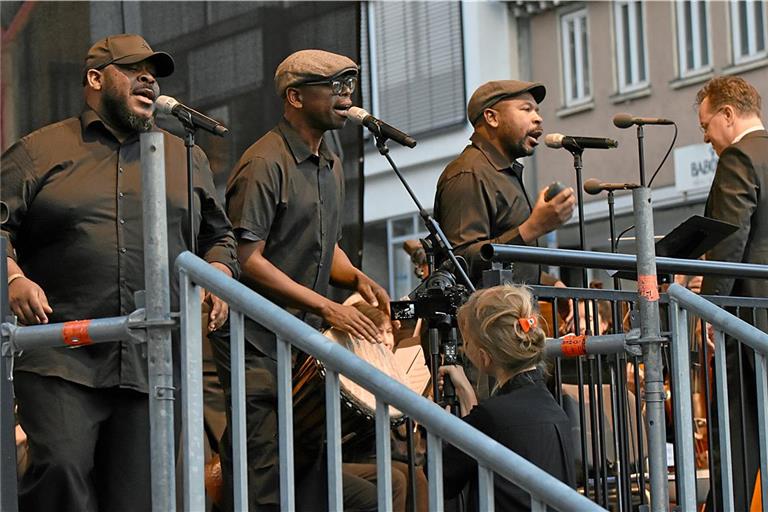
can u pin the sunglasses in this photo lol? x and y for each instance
(338, 85)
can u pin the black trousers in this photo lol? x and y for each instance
(88, 447)
(745, 453)
(261, 437)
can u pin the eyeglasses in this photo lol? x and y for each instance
(338, 84)
(705, 126)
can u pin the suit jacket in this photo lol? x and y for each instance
(739, 195)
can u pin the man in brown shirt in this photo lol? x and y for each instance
(480, 196)
(75, 201)
(284, 197)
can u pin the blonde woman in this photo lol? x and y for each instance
(503, 338)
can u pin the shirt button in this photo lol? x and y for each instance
(120, 169)
(122, 221)
(122, 249)
(120, 194)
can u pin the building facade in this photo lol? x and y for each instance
(597, 59)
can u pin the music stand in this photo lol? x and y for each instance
(689, 240)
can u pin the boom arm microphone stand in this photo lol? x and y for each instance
(438, 238)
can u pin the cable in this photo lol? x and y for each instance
(666, 155)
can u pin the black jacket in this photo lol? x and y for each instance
(524, 417)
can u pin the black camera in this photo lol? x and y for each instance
(437, 296)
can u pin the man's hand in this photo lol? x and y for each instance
(28, 302)
(219, 310)
(372, 293)
(350, 320)
(548, 215)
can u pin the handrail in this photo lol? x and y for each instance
(721, 319)
(610, 261)
(492, 454)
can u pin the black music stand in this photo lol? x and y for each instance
(689, 240)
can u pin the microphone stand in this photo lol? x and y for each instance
(189, 142)
(439, 238)
(429, 222)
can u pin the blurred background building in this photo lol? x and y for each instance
(420, 62)
(597, 59)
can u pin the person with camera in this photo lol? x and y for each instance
(503, 337)
(480, 196)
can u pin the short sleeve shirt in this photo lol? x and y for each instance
(281, 193)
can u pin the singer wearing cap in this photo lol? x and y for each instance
(480, 195)
(74, 195)
(284, 198)
(729, 115)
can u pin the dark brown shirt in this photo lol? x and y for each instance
(281, 193)
(74, 194)
(481, 199)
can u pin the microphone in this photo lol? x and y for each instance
(575, 143)
(186, 115)
(360, 116)
(625, 120)
(594, 186)
(552, 190)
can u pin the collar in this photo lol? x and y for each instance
(494, 157)
(89, 117)
(525, 378)
(755, 128)
(299, 148)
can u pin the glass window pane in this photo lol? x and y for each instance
(743, 28)
(703, 33)
(572, 57)
(628, 78)
(759, 26)
(640, 41)
(585, 56)
(688, 35)
(402, 227)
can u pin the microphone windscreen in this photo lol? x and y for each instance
(593, 186)
(165, 104)
(554, 189)
(554, 140)
(357, 115)
(623, 120)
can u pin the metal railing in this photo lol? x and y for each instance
(684, 301)
(492, 457)
(608, 355)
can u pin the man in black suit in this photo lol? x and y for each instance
(729, 115)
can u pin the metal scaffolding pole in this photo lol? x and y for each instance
(650, 342)
(159, 323)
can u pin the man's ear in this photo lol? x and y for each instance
(293, 97)
(729, 113)
(491, 117)
(95, 79)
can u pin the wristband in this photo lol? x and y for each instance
(14, 277)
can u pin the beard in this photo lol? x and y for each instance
(116, 111)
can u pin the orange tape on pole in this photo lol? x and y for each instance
(573, 345)
(76, 334)
(648, 287)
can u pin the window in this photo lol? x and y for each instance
(574, 37)
(415, 74)
(693, 37)
(748, 20)
(630, 45)
(402, 279)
